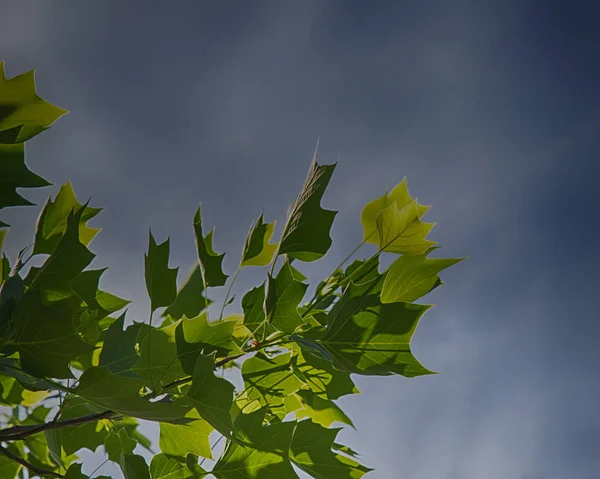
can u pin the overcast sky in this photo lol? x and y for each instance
(492, 111)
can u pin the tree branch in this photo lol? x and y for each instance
(37, 470)
(16, 433)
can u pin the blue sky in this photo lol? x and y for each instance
(491, 109)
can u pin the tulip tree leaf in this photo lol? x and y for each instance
(392, 222)
(65, 263)
(311, 452)
(284, 295)
(268, 381)
(45, 336)
(86, 287)
(321, 377)
(212, 396)
(263, 453)
(254, 312)
(365, 336)
(197, 335)
(117, 443)
(163, 467)
(52, 223)
(89, 435)
(179, 440)
(305, 403)
(257, 249)
(191, 299)
(158, 363)
(161, 281)
(410, 277)
(23, 114)
(99, 386)
(118, 353)
(306, 235)
(211, 263)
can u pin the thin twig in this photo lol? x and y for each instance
(37, 470)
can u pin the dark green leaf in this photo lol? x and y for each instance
(52, 223)
(134, 466)
(211, 263)
(311, 452)
(45, 336)
(74, 472)
(117, 443)
(284, 295)
(89, 435)
(263, 454)
(122, 395)
(85, 286)
(118, 353)
(257, 249)
(195, 335)
(163, 467)
(253, 304)
(190, 299)
(212, 396)
(161, 281)
(306, 235)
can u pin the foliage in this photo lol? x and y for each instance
(77, 374)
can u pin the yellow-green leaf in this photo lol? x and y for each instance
(257, 249)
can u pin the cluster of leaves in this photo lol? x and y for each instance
(76, 374)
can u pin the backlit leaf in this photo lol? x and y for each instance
(284, 295)
(322, 411)
(23, 114)
(212, 396)
(210, 262)
(161, 281)
(122, 395)
(257, 249)
(179, 440)
(410, 277)
(52, 222)
(306, 235)
(263, 454)
(119, 349)
(311, 452)
(191, 299)
(197, 335)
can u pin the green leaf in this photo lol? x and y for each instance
(163, 467)
(284, 295)
(118, 353)
(66, 262)
(306, 235)
(253, 305)
(411, 277)
(158, 363)
(322, 411)
(365, 336)
(9, 468)
(257, 249)
(23, 114)
(86, 287)
(161, 281)
(264, 453)
(15, 174)
(12, 367)
(311, 452)
(268, 381)
(45, 336)
(392, 222)
(195, 335)
(117, 443)
(322, 378)
(120, 394)
(212, 396)
(89, 435)
(211, 263)
(52, 223)
(74, 472)
(179, 440)
(190, 299)
(134, 466)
